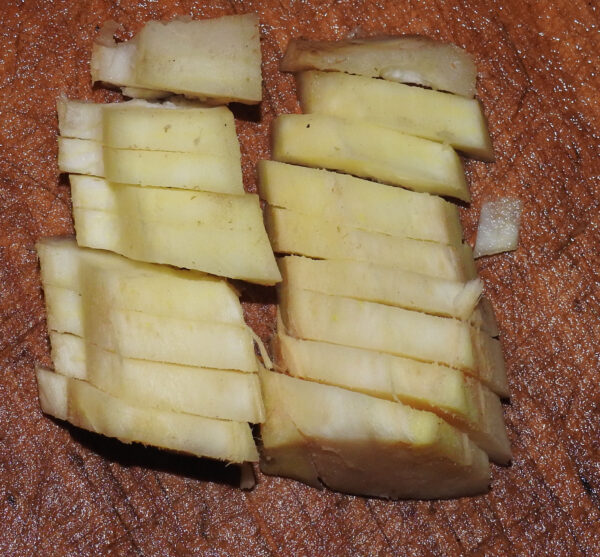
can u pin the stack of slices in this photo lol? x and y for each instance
(146, 352)
(163, 184)
(393, 378)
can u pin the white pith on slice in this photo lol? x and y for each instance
(369, 151)
(338, 320)
(434, 115)
(359, 444)
(213, 393)
(363, 280)
(358, 203)
(299, 234)
(461, 400)
(80, 119)
(89, 408)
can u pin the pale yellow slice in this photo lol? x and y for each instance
(150, 126)
(367, 281)
(89, 408)
(112, 64)
(194, 171)
(358, 444)
(338, 320)
(461, 400)
(64, 310)
(299, 234)
(408, 59)
(167, 205)
(213, 393)
(80, 156)
(363, 204)
(68, 354)
(434, 115)
(369, 151)
(79, 119)
(159, 338)
(210, 131)
(227, 251)
(212, 59)
(191, 171)
(53, 393)
(126, 284)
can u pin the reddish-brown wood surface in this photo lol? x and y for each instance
(66, 492)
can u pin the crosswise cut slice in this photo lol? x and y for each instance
(367, 281)
(363, 204)
(433, 115)
(213, 393)
(126, 284)
(407, 59)
(176, 206)
(80, 119)
(167, 169)
(80, 156)
(194, 171)
(234, 253)
(295, 233)
(461, 400)
(215, 59)
(89, 408)
(369, 151)
(136, 125)
(338, 320)
(161, 338)
(359, 444)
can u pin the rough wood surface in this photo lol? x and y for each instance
(66, 492)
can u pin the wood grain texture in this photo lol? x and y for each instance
(66, 492)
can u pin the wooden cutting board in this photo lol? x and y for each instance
(67, 492)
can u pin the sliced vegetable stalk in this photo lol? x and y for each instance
(354, 443)
(212, 393)
(408, 59)
(371, 282)
(87, 407)
(159, 338)
(338, 320)
(228, 250)
(295, 233)
(350, 201)
(369, 151)
(433, 115)
(216, 60)
(132, 285)
(459, 399)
